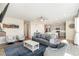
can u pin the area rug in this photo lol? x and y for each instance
(18, 49)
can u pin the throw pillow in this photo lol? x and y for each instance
(48, 37)
(43, 36)
(37, 35)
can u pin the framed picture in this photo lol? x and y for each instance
(10, 26)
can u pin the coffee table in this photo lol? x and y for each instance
(31, 45)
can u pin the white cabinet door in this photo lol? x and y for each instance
(76, 41)
(2, 40)
(21, 37)
(77, 24)
(10, 39)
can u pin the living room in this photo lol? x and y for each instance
(50, 26)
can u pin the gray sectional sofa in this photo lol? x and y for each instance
(44, 39)
(41, 38)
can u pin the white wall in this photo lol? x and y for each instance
(77, 24)
(13, 31)
(70, 32)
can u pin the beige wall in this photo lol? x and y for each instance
(13, 31)
(70, 32)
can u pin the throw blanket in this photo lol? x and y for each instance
(18, 49)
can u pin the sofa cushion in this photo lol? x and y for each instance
(37, 35)
(43, 36)
(61, 45)
(47, 37)
(52, 45)
(40, 40)
(57, 46)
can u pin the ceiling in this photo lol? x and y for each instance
(51, 11)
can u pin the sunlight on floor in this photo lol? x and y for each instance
(67, 54)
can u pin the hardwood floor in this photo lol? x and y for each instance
(2, 52)
(73, 50)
